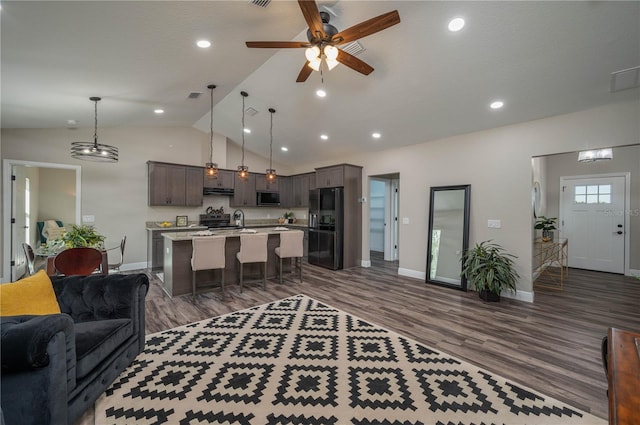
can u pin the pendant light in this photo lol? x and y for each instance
(95, 151)
(211, 168)
(243, 170)
(271, 173)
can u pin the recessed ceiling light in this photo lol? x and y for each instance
(284, 149)
(247, 130)
(456, 24)
(203, 44)
(158, 111)
(324, 137)
(321, 93)
(496, 104)
(376, 135)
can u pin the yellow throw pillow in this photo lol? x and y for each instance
(31, 295)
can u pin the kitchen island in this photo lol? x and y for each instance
(177, 260)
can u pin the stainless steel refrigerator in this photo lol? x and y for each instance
(326, 226)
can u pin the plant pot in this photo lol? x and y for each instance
(489, 296)
(547, 235)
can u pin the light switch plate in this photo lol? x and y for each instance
(494, 224)
(405, 220)
(88, 218)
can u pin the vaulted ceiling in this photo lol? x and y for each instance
(539, 58)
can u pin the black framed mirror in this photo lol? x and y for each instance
(448, 235)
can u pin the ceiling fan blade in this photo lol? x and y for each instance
(304, 73)
(312, 16)
(368, 27)
(277, 44)
(354, 63)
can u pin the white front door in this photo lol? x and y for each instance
(592, 219)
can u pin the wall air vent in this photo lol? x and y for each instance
(625, 79)
(261, 3)
(194, 95)
(354, 48)
(250, 111)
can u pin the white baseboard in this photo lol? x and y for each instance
(412, 273)
(365, 263)
(519, 295)
(634, 272)
(133, 266)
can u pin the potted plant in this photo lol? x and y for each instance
(289, 217)
(490, 269)
(80, 236)
(547, 225)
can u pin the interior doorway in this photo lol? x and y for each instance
(35, 191)
(384, 201)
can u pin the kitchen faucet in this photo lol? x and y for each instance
(239, 215)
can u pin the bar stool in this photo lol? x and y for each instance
(253, 249)
(291, 246)
(208, 254)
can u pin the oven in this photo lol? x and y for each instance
(216, 221)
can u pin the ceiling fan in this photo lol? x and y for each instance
(323, 37)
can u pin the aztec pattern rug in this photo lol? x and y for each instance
(299, 361)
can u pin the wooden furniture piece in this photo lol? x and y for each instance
(225, 180)
(207, 254)
(116, 265)
(253, 249)
(621, 358)
(291, 243)
(78, 261)
(244, 193)
(551, 260)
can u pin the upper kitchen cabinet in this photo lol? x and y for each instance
(330, 176)
(244, 194)
(225, 180)
(174, 184)
(263, 185)
(286, 197)
(300, 190)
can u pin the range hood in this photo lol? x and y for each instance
(217, 191)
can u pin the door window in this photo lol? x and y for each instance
(592, 194)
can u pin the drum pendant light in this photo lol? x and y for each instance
(271, 173)
(211, 168)
(95, 151)
(243, 170)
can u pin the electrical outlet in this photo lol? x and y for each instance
(494, 224)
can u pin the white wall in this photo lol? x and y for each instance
(56, 195)
(497, 164)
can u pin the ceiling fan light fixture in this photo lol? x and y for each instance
(312, 53)
(95, 151)
(331, 52)
(331, 63)
(315, 64)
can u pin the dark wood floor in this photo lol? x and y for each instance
(551, 345)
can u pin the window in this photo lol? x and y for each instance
(592, 194)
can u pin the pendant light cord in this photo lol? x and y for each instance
(211, 128)
(95, 124)
(271, 140)
(243, 96)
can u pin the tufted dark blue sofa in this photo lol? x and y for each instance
(54, 367)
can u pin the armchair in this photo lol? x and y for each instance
(55, 366)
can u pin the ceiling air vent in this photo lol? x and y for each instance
(250, 111)
(194, 95)
(261, 3)
(625, 79)
(354, 48)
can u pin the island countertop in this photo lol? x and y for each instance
(177, 258)
(183, 236)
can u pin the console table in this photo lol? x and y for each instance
(621, 355)
(552, 260)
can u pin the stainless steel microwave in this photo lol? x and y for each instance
(268, 198)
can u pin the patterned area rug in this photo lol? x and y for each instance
(299, 361)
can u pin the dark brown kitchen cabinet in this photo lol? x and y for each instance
(225, 180)
(174, 184)
(286, 198)
(330, 176)
(263, 185)
(244, 193)
(300, 191)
